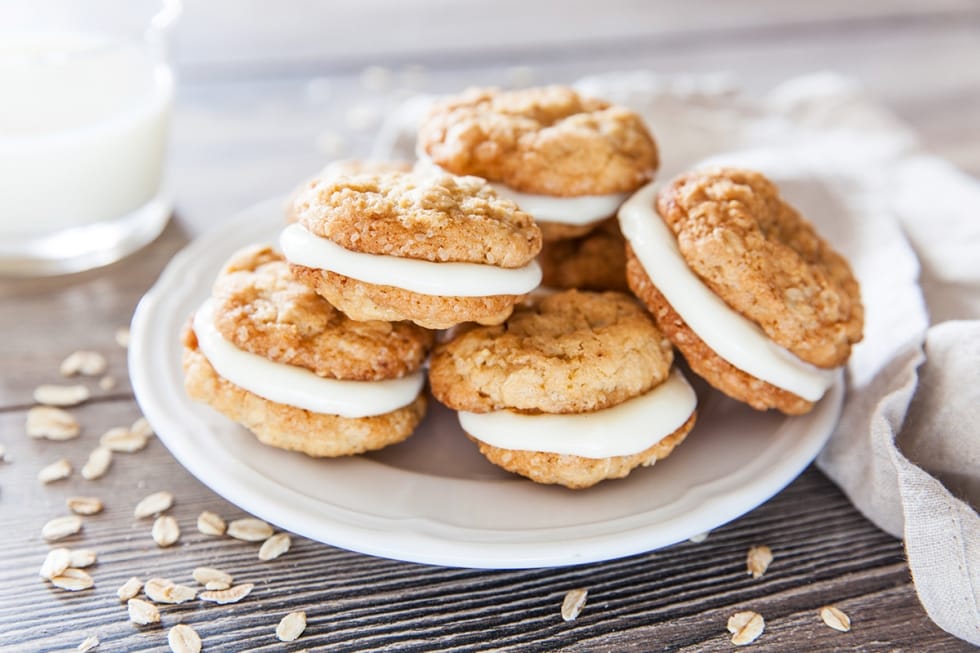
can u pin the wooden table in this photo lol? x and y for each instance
(244, 132)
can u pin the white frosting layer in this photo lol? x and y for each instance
(578, 210)
(297, 386)
(423, 277)
(625, 429)
(731, 335)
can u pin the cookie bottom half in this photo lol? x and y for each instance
(595, 261)
(578, 472)
(296, 429)
(703, 360)
(364, 301)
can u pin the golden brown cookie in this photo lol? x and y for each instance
(547, 141)
(339, 168)
(570, 352)
(429, 218)
(596, 261)
(262, 309)
(291, 428)
(765, 261)
(267, 332)
(574, 354)
(578, 472)
(766, 264)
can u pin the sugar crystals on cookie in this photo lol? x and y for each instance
(760, 306)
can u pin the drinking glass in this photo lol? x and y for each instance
(85, 99)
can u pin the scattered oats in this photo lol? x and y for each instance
(162, 590)
(700, 537)
(376, 78)
(142, 612)
(90, 642)
(275, 546)
(141, 427)
(56, 471)
(745, 627)
(129, 589)
(230, 595)
(84, 505)
(86, 363)
(362, 117)
(573, 603)
(51, 423)
(331, 143)
(210, 523)
(107, 383)
(212, 579)
(165, 531)
(73, 580)
(184, 639)
(60, 395)
(61, 527)
(122, 337)
(757, 560)
(154, 504)
(520, 76)
(249, 529)
(97, 464)
(835, 618)
(55, 563)
(291, 626)
(121, 440)
(81, 558)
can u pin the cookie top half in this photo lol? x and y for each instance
(569, 352)
(548, 140)
(437, 218)
(261, 309)
(760, 256)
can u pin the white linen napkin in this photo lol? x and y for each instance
(907, 449)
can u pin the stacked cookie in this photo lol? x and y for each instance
(320, 349)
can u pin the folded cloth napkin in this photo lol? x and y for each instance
(907, 449)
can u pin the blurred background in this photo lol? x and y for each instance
(281, 87)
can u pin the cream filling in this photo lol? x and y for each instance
(731, 335)
(423, 277)
(577, 210)
(297, 386)
(625, 429)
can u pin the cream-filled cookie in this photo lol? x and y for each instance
(272, 355)
(574, 388)
(760, 306)
(437, 250)
(568, 160)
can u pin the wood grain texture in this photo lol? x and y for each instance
(246, 130)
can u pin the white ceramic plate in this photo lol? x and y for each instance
(434, 499)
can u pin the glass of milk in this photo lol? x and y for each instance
(85, 100)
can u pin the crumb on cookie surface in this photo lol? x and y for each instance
(569, 352)
(262, 309)
(546, 140)
(438, 218)
(765, 261)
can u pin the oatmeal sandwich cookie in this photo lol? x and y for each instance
(434, 249)
(568, 160)
(758, 304)
(576, 387)
(272, 355)
(595, 261)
